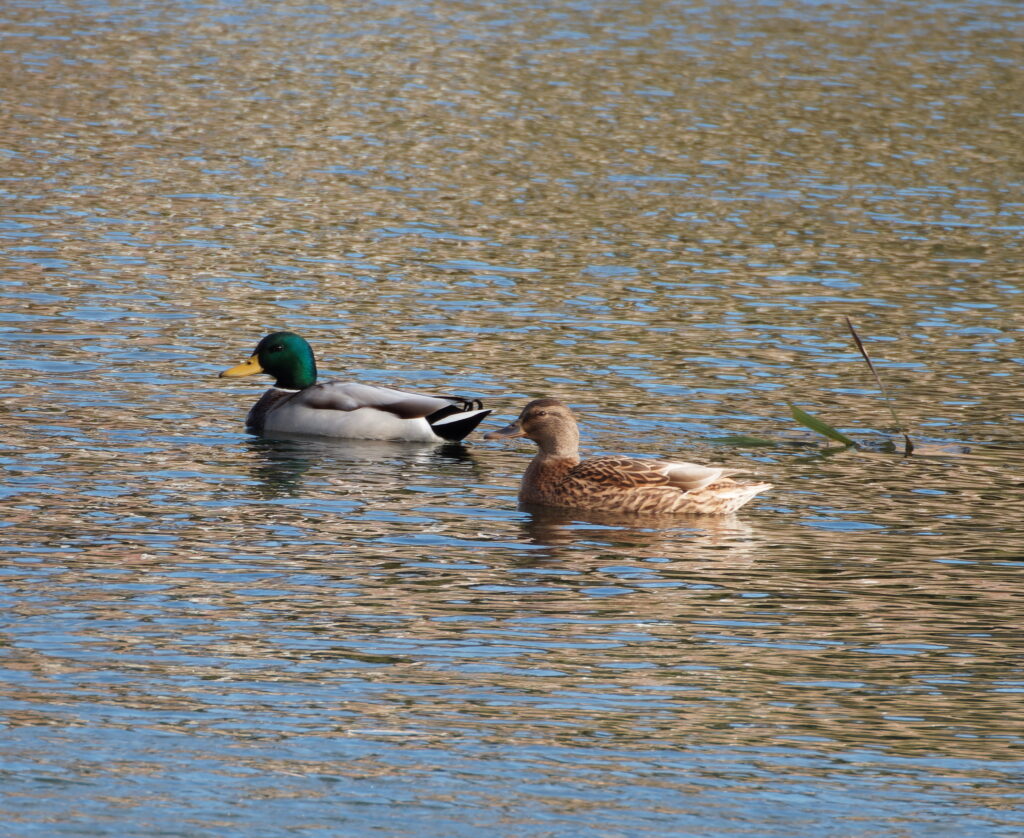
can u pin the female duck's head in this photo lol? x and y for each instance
(548, 422)
(285, 356)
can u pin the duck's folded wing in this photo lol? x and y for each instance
(349, 395)
(630, 472)
(618, 471)
(690, 476)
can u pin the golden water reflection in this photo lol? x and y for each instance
(660, 213)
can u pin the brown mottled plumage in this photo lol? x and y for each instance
(614, 483)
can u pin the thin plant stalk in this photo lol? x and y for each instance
(909, 446)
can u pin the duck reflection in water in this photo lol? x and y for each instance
(281, 462)
(665, 537)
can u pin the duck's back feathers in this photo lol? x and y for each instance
(617, 470)
(350, 395)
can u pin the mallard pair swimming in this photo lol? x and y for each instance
(556, 477)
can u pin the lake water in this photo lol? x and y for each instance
(658, 211)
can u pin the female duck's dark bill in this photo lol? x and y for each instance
(508, 432)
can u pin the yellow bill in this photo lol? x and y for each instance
(250, 367)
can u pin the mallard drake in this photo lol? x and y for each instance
(296, 404)
(557, 476)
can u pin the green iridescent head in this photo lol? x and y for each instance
(284, 355)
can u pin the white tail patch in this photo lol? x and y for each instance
(460, 417)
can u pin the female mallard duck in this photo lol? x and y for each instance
(613, 483)
(297, 404)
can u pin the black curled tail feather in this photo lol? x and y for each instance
(461, 404)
